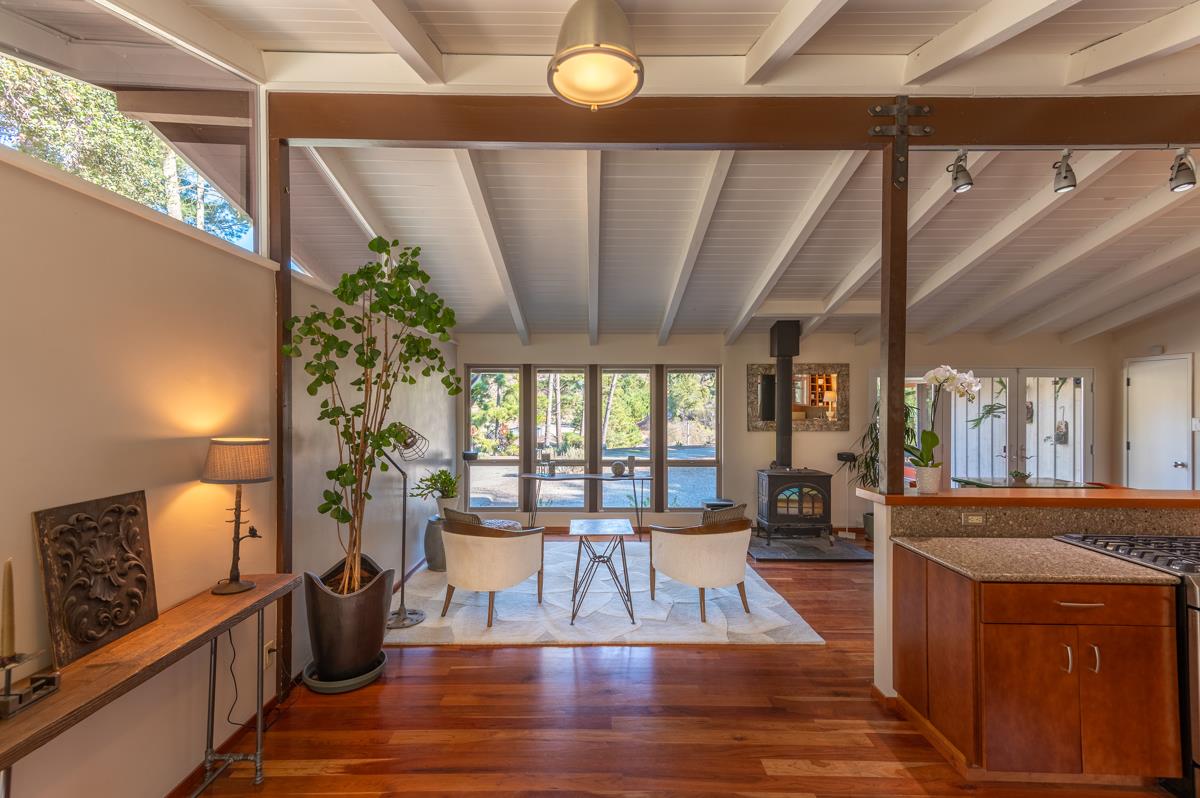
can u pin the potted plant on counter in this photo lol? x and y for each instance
(440, 485)
(865, 466)
(923, 453)
(385, 333)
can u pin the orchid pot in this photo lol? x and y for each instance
(929, 479)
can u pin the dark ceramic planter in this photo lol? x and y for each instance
(869, 525)
(347, 631)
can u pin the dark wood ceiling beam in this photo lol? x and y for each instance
(746, 123)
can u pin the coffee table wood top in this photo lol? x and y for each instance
(610, 527)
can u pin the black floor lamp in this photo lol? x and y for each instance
(413, 449)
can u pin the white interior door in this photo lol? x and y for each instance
(1158, 413)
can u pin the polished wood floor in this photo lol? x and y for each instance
(631, 721)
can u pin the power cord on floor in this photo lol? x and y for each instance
(233, 678)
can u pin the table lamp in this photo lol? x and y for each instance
(237, 461)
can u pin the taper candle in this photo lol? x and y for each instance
(8, 622)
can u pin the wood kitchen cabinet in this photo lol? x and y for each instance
(1024, 678)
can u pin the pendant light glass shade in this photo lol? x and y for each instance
(595, 65)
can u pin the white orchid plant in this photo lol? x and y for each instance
(943, 378)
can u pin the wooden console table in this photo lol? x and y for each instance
(106, 674)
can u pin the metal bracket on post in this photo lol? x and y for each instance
(901, 131)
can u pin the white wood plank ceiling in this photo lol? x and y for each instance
(670, 243)
(1002, 246)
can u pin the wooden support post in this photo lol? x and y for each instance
(281, 252)
(893, 298)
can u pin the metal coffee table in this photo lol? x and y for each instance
(615, 530)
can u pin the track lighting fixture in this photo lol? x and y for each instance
(1183, 172)
(1064, 175)
(960, 177)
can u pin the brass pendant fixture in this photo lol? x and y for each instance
(595, 65)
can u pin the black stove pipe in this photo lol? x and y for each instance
(785, 345)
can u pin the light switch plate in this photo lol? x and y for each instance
(974, 519)
(1196, 425)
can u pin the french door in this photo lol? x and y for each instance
(1034, 421)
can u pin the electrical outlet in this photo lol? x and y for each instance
(268, 654)
(974, 519)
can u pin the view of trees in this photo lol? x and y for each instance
(625, 412)
(496, 413)
(76, 126)
(691, 409)
(560, 409)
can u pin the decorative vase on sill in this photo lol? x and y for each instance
(443, 504)
(929, 480)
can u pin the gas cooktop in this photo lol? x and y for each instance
(1180, 555)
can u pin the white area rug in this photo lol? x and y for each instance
(673, 617)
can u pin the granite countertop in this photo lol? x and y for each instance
(1031, 560)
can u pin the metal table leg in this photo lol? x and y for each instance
(258, 715)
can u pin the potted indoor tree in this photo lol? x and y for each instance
(384, 334)
(440, 485)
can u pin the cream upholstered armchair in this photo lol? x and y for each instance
(487, 557)
(710, 555)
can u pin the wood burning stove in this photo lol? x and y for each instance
(795, 502)
(792, 502)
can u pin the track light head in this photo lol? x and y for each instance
(1064, 175)
(960, 177)
(1183, 172)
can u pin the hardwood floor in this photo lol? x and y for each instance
(636, 721)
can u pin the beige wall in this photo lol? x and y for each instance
(127, 344)
(743, 451)
(426, 408)
(1177, 331)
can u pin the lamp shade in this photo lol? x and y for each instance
(237, 461)
(595, 64)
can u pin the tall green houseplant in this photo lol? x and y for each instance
(386, 335)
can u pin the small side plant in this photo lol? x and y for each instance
(440, 484)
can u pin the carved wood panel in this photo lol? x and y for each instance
(97, 572)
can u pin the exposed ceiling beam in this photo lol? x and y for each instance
(218, 108)
(1112, 284)
(472, 174)
(392, 20)
(1138, 309)
(993, 24)
(931, 203)
(329, 164)
(867, 333)
(1087, 169)
(803, 308)
(1157, 38)
(794, 25)
(1117, 227)
(844, 165)
(179, 24)
(714, 179)
(593, 167)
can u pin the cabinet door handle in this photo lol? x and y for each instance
(1096, 652)
(1077, 605)
(1070, 659)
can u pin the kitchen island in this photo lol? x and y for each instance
(993, 548)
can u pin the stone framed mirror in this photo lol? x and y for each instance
(820, 397)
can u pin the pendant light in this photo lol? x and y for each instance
(1183, 173)
(595, 65)
(960, 177)
(1064, 175)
